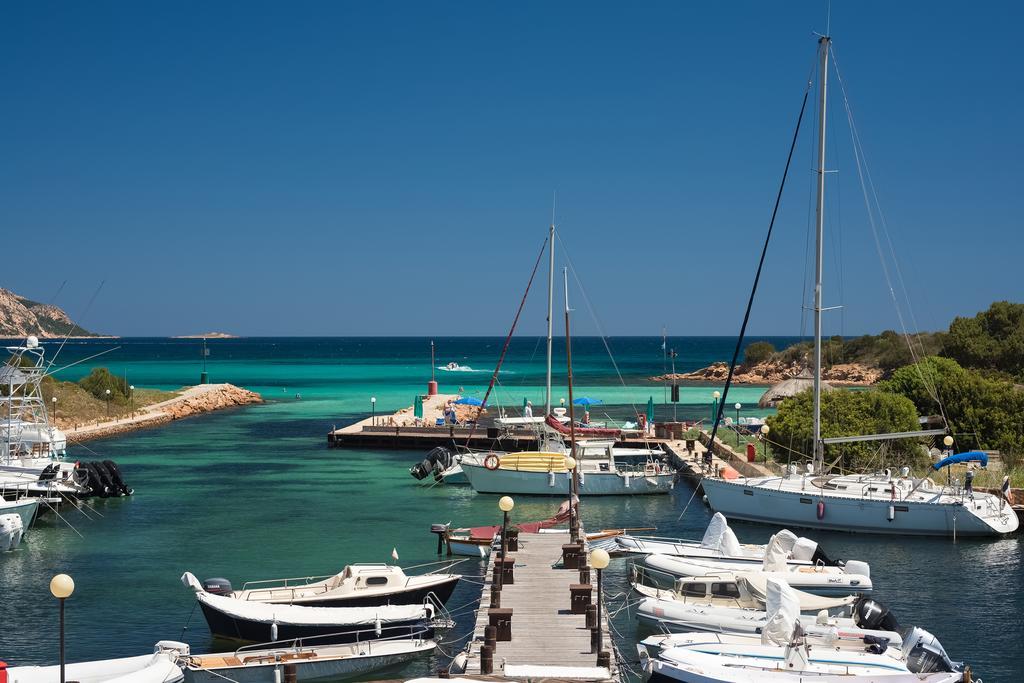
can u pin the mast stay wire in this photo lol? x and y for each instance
(866, 184)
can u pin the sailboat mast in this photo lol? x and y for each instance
(823, 47)
(551, 303)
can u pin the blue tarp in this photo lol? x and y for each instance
(962, 457)
(586, 401)
(469, 401)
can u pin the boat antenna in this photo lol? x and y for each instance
(760, 266)
(574, 514)
(551, 299)
(819, 447)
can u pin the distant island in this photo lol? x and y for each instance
(21, 317)
(208, 335)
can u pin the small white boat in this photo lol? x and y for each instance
(782, 651)
(265, 663)
(26, 510)
(159, 667)
(720, 543)
(745, 591)
(853, 577)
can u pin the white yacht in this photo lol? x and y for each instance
(870, 503)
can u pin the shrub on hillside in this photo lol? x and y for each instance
(757, 352)
(100, 380)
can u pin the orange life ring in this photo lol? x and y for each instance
(491, 462)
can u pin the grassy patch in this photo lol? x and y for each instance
(77, 406)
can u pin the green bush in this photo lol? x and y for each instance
(846, 413)
(99, 380)
(992, 340)
(757, 352)
(982, 412)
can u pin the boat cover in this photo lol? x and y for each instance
(775, 555)
(582, 432)
(803, 550)
(787, 539)
(970, 456)
(756, 584)
(154, 668)
(783, 608)
(266, 613)
(713, 535)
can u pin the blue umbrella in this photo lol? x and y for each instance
(585, 401)
(469, 401)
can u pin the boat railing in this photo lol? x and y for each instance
(285, 583)
(365, 637)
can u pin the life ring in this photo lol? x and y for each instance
(491, 462)
(821, 509)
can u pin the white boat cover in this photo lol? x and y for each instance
(297, 615)
(713, 535)
(536, 671)
(787, 540)
(803, 550)
(756, 584)
(155, 668)
(775, 555)
(783, 608)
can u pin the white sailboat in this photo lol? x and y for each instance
(868, 503)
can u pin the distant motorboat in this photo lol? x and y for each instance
(455, 367)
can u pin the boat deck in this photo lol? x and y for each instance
(545, 633)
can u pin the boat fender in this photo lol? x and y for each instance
(377, 626)
(581, 479)
(625, 479)
(892, 513)
(491, 462)
(821, 509)
(273, 630)
(458, 665)
(3, 672)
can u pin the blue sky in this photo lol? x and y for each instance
(387, 168)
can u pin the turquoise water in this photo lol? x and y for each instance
(254, 493)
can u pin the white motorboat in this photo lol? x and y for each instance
(266, 662)
(864, 503)
(720, 543)
(783, 652)
(260, 622)
(357, 585)
(159, 667)
(746, 590)
(25, 508)
(680, 616)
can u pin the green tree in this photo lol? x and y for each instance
(99, 380)
(758, 352)
(982, 412)
(992, 340)
(846, 413)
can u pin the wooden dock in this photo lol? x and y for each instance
(547, 639)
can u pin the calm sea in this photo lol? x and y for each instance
(254, 493)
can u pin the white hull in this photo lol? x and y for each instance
(26, 508)
(806, 579)
(748, 501)
(514, 482)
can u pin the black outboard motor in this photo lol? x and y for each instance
(115, 476)
(872, 615)
(926, 654)
(439, 459)
(819, 556)
(49, 472)
(217, 586)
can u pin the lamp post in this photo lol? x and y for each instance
(574, 529)
(62, 586)
(131, 398)
(373, 409)
(764, 438)
(106, 392)
(947, 441)
(599, 561)
(738, 406)
(54, 402)
(714, 411)
(505, 504)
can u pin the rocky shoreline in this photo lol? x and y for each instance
(772, 372)
(196, 400)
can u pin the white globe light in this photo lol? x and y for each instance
(947, 440)
(62, 586)
(570, 462)
(738, 406)
(599, 559)
(505, 504)
(107, 392)
(716, 395)
(373, 399)
(765, 429)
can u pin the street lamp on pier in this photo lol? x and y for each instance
(373, 409)
(106, 393)
(62, 586)
(764, 438)
(505, 504)
(714, 410)
(738, 406)
(599, 560)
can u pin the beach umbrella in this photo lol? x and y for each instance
(417, 410)
(469, 401)
(650, 410)
(586, 401)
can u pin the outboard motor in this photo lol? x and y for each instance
(438, 459)
(819, 556)
(872, 615)
(439, 530)
(115, 477)
(926, 655)
(49, 472)
(217, 586)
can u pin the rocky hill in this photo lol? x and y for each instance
(21, 317)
